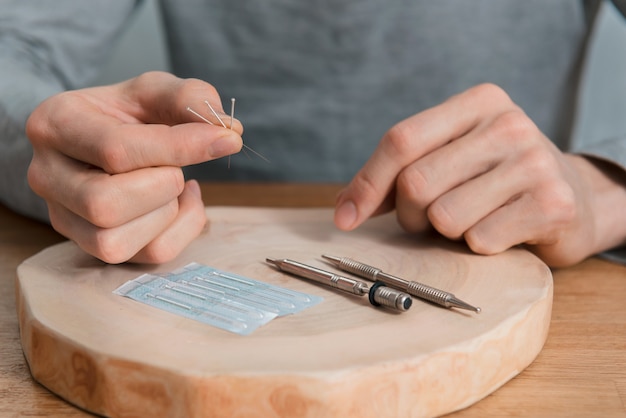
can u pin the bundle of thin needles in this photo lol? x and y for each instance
(232, 116)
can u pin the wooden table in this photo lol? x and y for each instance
(580, 372)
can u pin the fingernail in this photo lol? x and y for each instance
(346, 215)
(226, 145)
(194, 188)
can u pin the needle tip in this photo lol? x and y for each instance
(331, 258)
(457, 303)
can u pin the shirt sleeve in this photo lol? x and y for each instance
(612, 150)
(619, 254)
(46, 47)
(621, 6)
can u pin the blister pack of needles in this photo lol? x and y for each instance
(225, 300)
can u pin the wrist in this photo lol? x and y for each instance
(605, 183)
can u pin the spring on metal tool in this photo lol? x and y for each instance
(414, 288)
(357, 268)
(428, 293)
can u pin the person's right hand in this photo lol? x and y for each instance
(108, 160)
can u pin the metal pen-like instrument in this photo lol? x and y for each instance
(416, 289)
(378, 293)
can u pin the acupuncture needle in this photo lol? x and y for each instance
(199, 115)
(222, 301)
(237, 324)
(266, 289)
(185, 292)
(224, 125)
(215, 114)
(268, 307)
(232, 112)
(185, 282)
(413, 288)
(221, 121)
(275, 301)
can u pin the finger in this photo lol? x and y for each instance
(186, 227)
(106, 126)
(535, 218)
(104, 200)
(440, 172)
(113, 245)
(521, 168)
(160, 97)
(459, 209)
(409, 141)
(118, 147)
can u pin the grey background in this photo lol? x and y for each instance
(602, 112)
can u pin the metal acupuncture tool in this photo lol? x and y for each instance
(378, 293)
(413, 288)
(232, 117)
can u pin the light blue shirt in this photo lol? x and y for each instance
(317, 82)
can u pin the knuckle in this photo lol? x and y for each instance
(194, 88)
(104, 204)
(162, 249)
(151, 78)
(98, 206)
(111, 154)
(37, 127)
(398, 140)
(539, 164)
(38, 177)
(114, 247)
(109, 247)
(413, 186)
(365, 186)
(159, 251)
(513, 126)
(557, 204)
(57, 219)
(490, 91)
(193, 85)
(443, 220)
(49, 116)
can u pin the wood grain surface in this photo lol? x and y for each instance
(341, 358)
(580, 372)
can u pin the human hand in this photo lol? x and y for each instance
(477, 168)
(108, 160)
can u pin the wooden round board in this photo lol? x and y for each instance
(341, 358)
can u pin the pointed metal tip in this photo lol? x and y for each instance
(332, 258)
(272, 261)
(458, 303)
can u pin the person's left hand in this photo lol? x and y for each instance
(477, 168)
